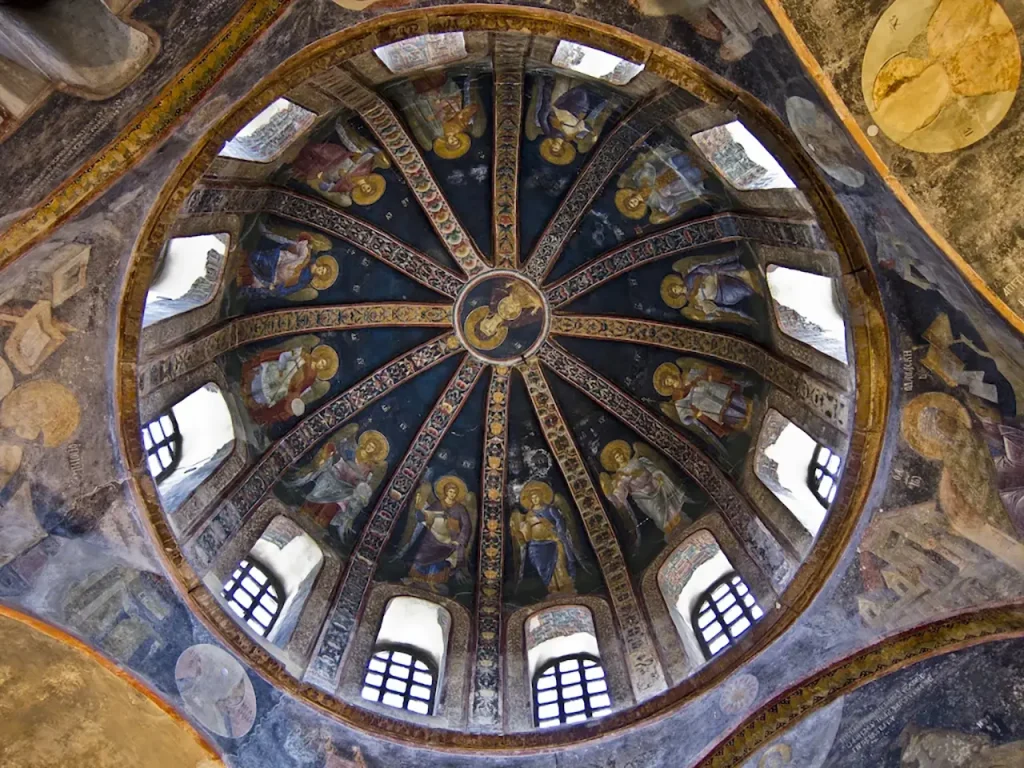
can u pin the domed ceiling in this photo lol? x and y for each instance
(496, 330)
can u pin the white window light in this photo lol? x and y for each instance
(741, 158)
(594, 63)
(268, 134)
(422, 51)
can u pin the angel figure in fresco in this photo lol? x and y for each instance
(546, 538)
(710, 288)
(640, 475)
(282, 381)
(663, 182)
(703, 398)
(438, 533)
(444, 115)
(285, 267)
(343, 476)
(569, 115)
(511, 305)
(343, 174)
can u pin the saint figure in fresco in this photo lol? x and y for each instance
(663, 182)
(512, 304)
(342, 478)
(937, 748)
(280, 382)
(444, 115)
(284, 266)
(545, 537)
(568, 114)
(710, 288)
(639, 475)
(343, 174)
(1005, 442)
(438, 533)
(704, 398)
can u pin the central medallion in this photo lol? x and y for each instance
(501, 317)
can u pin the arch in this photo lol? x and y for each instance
(268, 135)
(187, 276)
(568, 681)
(189, 442)
(787, 462)
(405, 668)
(693, 570)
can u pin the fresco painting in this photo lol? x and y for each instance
(949, 493)
(344, 174)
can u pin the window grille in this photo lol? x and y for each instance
(162, 441)
(823, 475)
(724, 612)
(254, 595)
(402, 677)
(569, 690)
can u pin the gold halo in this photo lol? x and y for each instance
(614, 447)
(447, 481)
(469, 328)
(661, 373)
(324, 352)
(361, 197)
(442, 149)
(676, 302)
(373, 436)
(622, 197)
(566, 156)
(537, 486)
(931, 446)
(776, 756)
(321, 283)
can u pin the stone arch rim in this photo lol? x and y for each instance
(871, 358)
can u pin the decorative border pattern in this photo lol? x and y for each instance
(694, 462)
(386, 126)
(830, 404)
(315, 213)
(712, 230)
(508, 123)
(610, 154)
(324, 670)
(872, 346)
(271, 467)
(486, 705)
(285, 322)
(869, 665)
(645, 672)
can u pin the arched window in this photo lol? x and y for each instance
(570, 689)
(162, 441)
(185, 445)
(292, 560)
(739, 157)
(255, 596)
(724, 612)
(695, 579)
(823, 475)
(564, 661)
(401, 676)
(187, 277)
(406, 668)
(268, 134)
(801, 473)
(595, 63)
(807, 309)
(422, 51)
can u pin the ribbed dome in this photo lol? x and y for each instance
(516, 329)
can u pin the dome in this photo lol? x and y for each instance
(518, 345)
(556, 385)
